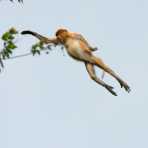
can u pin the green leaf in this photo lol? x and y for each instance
(11, 45)
(34, 46)
(8, 50)
(40, 44)
(11, 37)
(5, 36)
(38, 52)
(5, 54)
(35, 51)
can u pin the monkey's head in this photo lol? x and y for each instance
(61, 35)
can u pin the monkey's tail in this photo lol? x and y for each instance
(40, 37)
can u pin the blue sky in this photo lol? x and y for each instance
(50, 101)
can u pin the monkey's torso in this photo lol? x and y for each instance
(77, 49)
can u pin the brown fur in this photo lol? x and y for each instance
(79, 49)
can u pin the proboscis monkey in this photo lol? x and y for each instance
(78, 48)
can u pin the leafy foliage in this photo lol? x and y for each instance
(9, 45)
(8, 42)
(39, 47)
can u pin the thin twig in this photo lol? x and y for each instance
(23, 55)
(19, 56)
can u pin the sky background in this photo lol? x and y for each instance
(49, 101)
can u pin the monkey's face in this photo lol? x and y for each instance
(62, 35)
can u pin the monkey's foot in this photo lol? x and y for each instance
(110, 89)
(125, 85)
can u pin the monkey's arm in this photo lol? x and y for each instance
(80, 37)
(41, 38)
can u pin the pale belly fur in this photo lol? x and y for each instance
(74, 49)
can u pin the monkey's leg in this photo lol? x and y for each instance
(92, 74)
(98, 62)
(88, 57)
